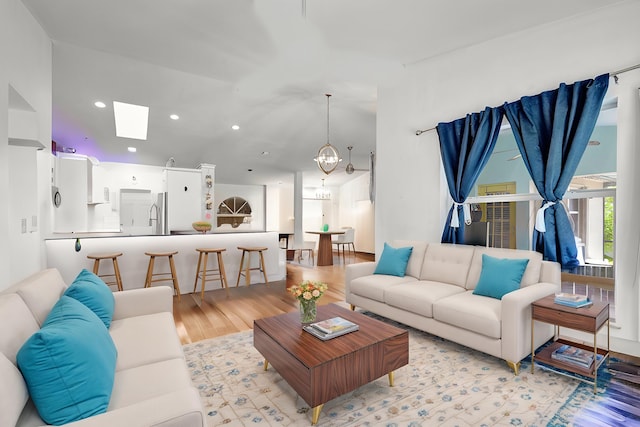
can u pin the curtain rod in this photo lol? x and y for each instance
(613, 74)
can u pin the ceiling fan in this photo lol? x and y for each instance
(349, 169)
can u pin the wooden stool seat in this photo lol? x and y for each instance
(113, 256)
(201, 273)
(162, 276)
(247, 268)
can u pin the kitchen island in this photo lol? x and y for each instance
(61, 254)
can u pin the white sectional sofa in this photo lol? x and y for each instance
(436, 296)
(151, 384)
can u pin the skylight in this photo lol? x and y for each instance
(131, 120)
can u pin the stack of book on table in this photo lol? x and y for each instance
(331, 328)
(572, 300)
(573, 356)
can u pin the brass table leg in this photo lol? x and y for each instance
(316, 414)
(266, 364)
(391, 379)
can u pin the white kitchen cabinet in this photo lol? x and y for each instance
(97, 190)
(183, 198)
(71, 180)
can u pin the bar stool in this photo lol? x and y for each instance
(150, 274)
(113, 256)
(308, 247)
(202, 273)
(247, 268)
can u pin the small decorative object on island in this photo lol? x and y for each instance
(307, 293)
(201, 226)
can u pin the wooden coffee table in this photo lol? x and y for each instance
(323, 370)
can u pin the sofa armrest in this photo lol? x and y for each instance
(353, 271)
(550, 272)
(139, 302)
(516, 319)
(181, 408)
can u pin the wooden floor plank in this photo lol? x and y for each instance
(222, 313)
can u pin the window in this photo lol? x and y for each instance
(234, 211)
(509, 201)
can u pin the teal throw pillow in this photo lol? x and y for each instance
(69, 364)
(393, 261)
(499, 276)
(91, 291)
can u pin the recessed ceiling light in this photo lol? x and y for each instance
(265, 153)
(132, 149)
(174, 117)
(235, 127)
(99, 104)
(131, 120)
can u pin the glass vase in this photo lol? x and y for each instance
(308, 311)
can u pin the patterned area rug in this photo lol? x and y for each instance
(444, 384)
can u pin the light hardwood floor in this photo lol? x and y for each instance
(221, 313)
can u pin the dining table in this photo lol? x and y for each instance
(325, 247)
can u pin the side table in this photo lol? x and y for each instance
(586, 319)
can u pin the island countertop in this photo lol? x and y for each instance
(103, 234)
(61, 254)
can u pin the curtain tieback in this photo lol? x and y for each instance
(455, 222)
(540, 226)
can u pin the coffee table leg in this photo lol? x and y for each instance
(391, 379)
(316, 414)
(266, 364)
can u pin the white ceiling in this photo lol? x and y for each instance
(264, 65)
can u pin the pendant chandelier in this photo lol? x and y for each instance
(328, 156)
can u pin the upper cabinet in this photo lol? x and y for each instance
(97, 189)
(183, 198)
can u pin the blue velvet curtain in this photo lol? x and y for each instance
(465, 146)
(552, 131)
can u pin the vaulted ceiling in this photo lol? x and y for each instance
(264, 65)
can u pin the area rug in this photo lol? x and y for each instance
(444, 384)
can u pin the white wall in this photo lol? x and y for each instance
(445, 88)
(356, 210)
(26, 66)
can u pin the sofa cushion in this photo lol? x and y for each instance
(531, 273)
(418, 297)
(471, 312)
(17, 324)
(40, 292)
(417, 255)
(91, 291)
(393, 261)
(374, 286)
(69, 364)
(13, 392)
(500, 276)
(145, 339)
(148, 381)
(447, 263)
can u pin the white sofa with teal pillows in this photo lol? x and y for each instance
(81, 355)
(476, 296)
